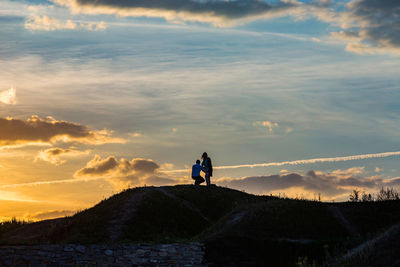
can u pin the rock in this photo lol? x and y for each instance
(102, 255)
(80, 249)
(171, 250)
(108, 252)
(140, 252)
(163, 254)
(69, 248)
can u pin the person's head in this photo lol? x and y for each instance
(198, 161)
(204, 155)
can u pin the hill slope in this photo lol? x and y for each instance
(237, 228)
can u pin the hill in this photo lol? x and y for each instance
(237, 228)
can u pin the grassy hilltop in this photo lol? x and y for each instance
(237, 228)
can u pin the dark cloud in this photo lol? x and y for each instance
(123, 172)
(328, 184)
(112, 166)
(227, 9)
(374, 26)
(37, 130)
(99, 167)
(144, 166)
(382, 20)
(217, 12)
(273, 182)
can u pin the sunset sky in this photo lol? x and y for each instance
(97, 96)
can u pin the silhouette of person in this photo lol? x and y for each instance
(207, 167)
(196, 169)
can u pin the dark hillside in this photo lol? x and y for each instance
(238, 229)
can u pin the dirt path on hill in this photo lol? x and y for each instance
(116, 225)
(337, 213)
(183, 201)
(368, 245)
(125, 213)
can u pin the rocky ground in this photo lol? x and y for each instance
(183, 254)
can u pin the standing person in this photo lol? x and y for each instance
(207, 167)
(196, 169)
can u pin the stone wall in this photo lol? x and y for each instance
(188, 254)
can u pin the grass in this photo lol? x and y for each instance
(162, 220)
(9, 225)
(237, 228)
(371, 217)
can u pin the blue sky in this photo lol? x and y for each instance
(266, 82)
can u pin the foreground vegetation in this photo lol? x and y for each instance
(237, 228)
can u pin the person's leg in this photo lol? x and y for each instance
(208, 179)
(199, 180)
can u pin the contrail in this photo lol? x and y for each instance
(72, 180)
(302, 161)
(266, 164)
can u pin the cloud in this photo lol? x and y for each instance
(54, 155)
(123, 173)
(93, 26)
(302, 161)
(46, 23)
(371, 26)
(218, 13)
(274, 128)
(270, 125)
(35, 130)
(9, 96)
(336, 184)
(135, 134)
(45, 215)
(111, 166)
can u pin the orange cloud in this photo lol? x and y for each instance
(35, 130)
(122, 173)
(53, 155)
(45, 215)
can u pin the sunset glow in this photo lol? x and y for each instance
(294, 97)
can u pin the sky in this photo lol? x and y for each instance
(287, 97)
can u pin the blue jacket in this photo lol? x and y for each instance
(196, 169)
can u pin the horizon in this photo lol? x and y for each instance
(294, 97)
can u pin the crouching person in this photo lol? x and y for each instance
(196, 169)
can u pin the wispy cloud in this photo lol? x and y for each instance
(46, 23)
(49, 182)
(374, 23)
(55, 155)
(303, 161)
(51, 214)
(269, 124)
